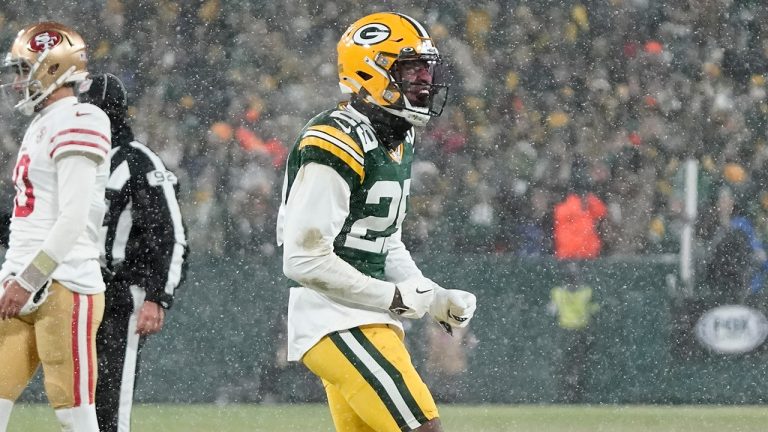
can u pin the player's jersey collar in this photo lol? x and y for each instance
(357, 114)
(69, 100)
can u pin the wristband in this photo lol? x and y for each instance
(37, 272)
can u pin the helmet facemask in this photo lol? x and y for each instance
(16, 82)
(23, 91)
(419, 80)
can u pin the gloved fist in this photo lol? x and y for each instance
(415, 297)
(453, 307)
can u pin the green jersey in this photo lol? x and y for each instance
(379, 180)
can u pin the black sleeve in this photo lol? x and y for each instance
(5, 228)
(155, 200)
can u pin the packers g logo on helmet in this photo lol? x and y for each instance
(371, 34)
(42, 58)
(370, 52)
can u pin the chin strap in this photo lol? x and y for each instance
(389, 128)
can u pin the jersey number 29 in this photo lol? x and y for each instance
(358, 237)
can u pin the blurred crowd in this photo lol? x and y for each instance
(607, 97)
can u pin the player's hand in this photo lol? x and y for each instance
(413, 297)
(13, 298)
(151, 319)
(453, 308)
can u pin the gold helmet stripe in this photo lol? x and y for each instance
(341, 136)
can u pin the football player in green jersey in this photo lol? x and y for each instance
(344, 199)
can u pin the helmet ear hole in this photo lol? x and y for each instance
(364, 75)
(52, 70)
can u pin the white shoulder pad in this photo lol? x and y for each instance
(83, 129)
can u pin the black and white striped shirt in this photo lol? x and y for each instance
(144, 237)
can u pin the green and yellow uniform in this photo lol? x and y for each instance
(345, 196)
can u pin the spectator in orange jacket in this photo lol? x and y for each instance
(575, 226)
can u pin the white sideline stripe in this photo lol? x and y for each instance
(389, 385)
(174, 271)
(128, 379)
(339, 143)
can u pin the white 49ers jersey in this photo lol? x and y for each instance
(63, 127)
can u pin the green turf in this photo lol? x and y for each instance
(485, 418)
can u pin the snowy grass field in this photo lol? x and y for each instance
(484, 418)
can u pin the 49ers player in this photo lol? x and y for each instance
(52, 296)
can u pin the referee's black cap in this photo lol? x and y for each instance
(107, 92)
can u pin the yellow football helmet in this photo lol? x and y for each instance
(42, 58)
(370, 56)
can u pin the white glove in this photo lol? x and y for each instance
(416, 297)
(453, 308)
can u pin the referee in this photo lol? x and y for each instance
(144, 255)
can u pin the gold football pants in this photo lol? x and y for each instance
(60, 335)
(370, 381)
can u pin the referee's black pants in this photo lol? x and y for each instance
(118, 349)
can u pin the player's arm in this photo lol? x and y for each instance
(315, 212)
(156, 207)
(77, 151)
(76, 176)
